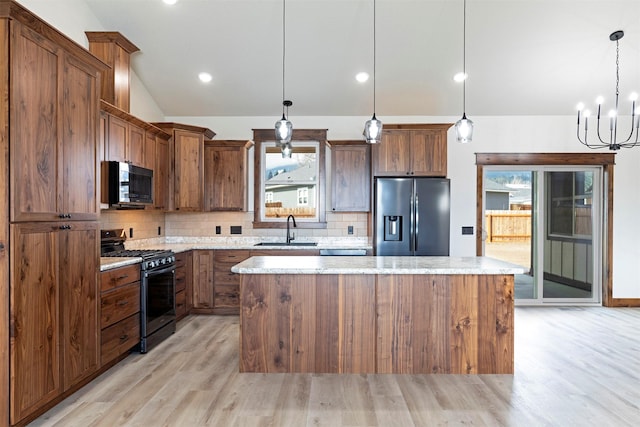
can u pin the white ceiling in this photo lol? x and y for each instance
(524, 57)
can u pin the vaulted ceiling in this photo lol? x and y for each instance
(524, 57)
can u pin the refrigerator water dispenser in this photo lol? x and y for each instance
(392, 228)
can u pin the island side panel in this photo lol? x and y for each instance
(464, 324)
(327, 333)
(495, 317)
(357, 324)
(303, 326)
(434, 355)
(253, 324)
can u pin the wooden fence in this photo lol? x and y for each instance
(508, 226)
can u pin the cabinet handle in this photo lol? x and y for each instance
(64, 216)
(65, 227)
(1, 246)
(122, 303)
(121, 277)
(124, 337)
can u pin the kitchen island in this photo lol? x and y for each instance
(413, 315)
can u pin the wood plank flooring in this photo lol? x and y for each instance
(573, 367)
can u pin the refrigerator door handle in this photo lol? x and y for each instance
(417, 223)
(412, 236)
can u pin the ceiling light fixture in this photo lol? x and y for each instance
(284, 128)
(613, 143)
(464, 126)
(205, 77)
(170, 2)
(373, 128)
(362, 77)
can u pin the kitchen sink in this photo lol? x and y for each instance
(286, 244)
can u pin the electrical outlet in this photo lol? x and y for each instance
(159, 231)
(218, 229)
(350, 229)
(236, 229)
(131, 233)
(467, 230)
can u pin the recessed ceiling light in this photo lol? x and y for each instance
(205, 77)
(362, 77)
(170, 1)
(460, 77)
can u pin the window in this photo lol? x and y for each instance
(290, 186)
(570, 197)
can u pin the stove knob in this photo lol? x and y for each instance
(163, 261)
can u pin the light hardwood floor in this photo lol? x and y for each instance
(573, 367)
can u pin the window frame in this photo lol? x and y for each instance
(267, 136)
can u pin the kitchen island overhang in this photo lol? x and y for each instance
(408, 315)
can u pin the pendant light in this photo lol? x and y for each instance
(284, 128)
(373, 128)
(464, 126)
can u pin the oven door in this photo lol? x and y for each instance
(158, 299)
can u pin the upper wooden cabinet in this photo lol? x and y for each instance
(225, 175)
(350, 176)
(52, 117)
(115, 50)
(161, 173)
(411, 149)
(188, 165)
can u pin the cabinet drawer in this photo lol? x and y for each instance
(119, 303)
(181, 280)
(227, 296)
(119, 276)
(231, 257)
(119, 338)
(181, 259)
(181, 304)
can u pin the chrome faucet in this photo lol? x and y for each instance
(290, 236)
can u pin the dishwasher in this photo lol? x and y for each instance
(343, 252)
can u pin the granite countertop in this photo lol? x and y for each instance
(375, 265)
(183, 244)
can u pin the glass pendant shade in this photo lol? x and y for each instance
(373, 130)
(284, 130)
(286, 150)
(464, 130)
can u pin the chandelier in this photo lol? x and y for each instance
(284, 128)
(612, 141)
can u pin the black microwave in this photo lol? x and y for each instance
(128, 186)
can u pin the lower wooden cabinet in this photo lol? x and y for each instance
(119, 311)
(216, 290)
(54, 328)
(184, 283)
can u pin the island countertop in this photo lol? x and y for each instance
(375, 265)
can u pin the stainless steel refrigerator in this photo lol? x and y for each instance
(412, 216)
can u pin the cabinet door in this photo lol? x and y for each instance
(189, 177)
(203, 279)
(34, 131)
(80, 145)
(225, 170)
(161, 175)
(391, 157)
(149, 151)
(117, 139)
(350, 178)
(135, 146)
(79, 267)
(429, 153)
(35, 328)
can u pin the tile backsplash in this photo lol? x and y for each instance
(145, 224)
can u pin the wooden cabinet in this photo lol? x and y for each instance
(54, 311)
(126, 142)
(226, 285)
(350, 176)
(411, 150)
(161, 174)
(119, 312)
(225, 175)
(53, 127)
(203, 281)
(187, 165)
(184, 283)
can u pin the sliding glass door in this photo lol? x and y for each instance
(548, 220)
